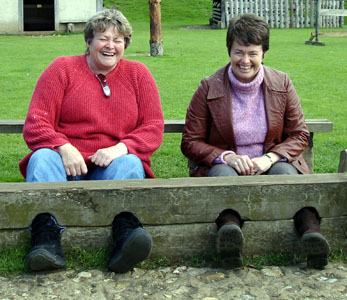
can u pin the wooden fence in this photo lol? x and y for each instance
(279, 13)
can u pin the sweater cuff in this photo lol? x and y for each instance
(220, 158)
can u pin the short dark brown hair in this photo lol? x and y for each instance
(248, 29)
(101, 20)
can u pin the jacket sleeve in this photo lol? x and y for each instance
(147, 137)
(194, 143)
(44, 110)
(295, 134)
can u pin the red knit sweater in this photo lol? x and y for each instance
(69, 106)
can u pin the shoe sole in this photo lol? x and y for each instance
(136, 249)
(41, 259)
(230, 242)
(316, 248)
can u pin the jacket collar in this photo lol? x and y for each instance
(218, 101)
(273, 81)
(216, 81)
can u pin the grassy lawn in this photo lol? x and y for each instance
(319, 75)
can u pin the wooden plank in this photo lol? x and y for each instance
(11, 126)
(173, 201)
(333, 12)
(319, 125)
(184, 240)
(174, 126)
(171, 126)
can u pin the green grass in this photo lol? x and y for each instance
(319, 75)
(78, 258)
(12, 260)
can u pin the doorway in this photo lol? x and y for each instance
(38, 15)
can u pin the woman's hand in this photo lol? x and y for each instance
(73, 161)
(241, 163)
(264, 163)
(103, 157)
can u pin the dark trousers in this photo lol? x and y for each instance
(279, 168)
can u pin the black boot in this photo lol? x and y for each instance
(315, 246)
(46, 253)
(131, 243)
(230, 238)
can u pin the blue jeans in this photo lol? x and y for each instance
(46, 165)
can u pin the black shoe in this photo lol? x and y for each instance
(229, 245)
(132, 243)
(46, 253)
(316, 248)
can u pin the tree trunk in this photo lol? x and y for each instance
(156, 43)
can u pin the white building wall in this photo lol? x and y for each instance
(76, 10)
(9, 16)
(66, 11)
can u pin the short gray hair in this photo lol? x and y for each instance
(101, 20)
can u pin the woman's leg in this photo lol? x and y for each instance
(230, 239)
(131, 242)
(45, 165)
(315, 246)
(125, 167)
(46, 252)
(221, 170)
(282, 168)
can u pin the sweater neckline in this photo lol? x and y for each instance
(85, 61)
(249, 86)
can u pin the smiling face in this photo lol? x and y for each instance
(105, 50)
(245, 60)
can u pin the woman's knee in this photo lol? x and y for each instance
(43, 155)
(129, 166)
(221, 170)
(45, 165)
(282, 168)
(129, 160)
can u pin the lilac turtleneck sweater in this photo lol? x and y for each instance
(248, 116)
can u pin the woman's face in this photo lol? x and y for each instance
(105, 50)
(245, 60)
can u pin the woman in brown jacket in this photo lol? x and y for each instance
(246, 119)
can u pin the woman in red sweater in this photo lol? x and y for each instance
(93, 117)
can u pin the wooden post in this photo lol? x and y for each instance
(343, 162)
(156, 43)
(291, 7)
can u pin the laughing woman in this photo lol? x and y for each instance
(246, 119)
(93, 117)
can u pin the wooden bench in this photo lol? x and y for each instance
(176, 126)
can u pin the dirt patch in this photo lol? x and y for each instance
(137, 54)
(333, 33)
(197, 27)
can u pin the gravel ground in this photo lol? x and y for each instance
(293, 282)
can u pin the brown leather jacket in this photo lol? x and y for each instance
(208, 129)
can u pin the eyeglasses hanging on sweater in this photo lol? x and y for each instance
(104, 85)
